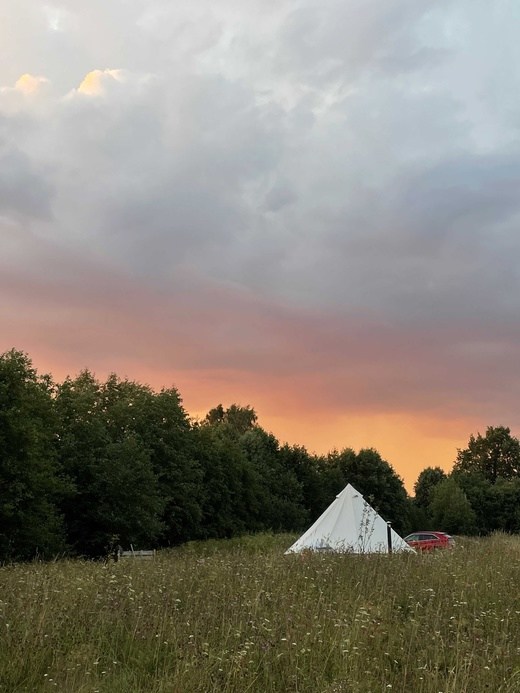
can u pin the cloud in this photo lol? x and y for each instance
(96, 81)
(24, 190)
(29, 84)
(27, 95)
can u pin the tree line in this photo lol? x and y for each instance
(482, 492)
(86, 466)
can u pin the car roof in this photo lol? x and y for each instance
(429, 531)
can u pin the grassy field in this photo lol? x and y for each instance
(240, 616)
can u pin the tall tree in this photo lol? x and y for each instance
(281, 498)
(495, 455)
(450, 509)
(30, 485)
(224, 506)
(310, 472)
(504, 506)
(247, 493)
(166, 430)
(116, 497)
(478, 491)
(425, 485)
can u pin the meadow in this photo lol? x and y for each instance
(240, 616)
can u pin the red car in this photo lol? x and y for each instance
(428, 541)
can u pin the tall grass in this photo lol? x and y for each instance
(241, 616)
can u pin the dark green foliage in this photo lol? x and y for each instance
(30, 484)
(165, 429)
(227, 427)
(377, 481)
(478, 492)
(495, 455)
(450, 509)
(425, 485)
(309, 470)
(116, 498)
(280, 492)
(235, 418)
(223, 505)
(488, 472)
(263, 491)
(504, 506)
(335, 474)
(419, 518)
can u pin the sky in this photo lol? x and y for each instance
(306, 206)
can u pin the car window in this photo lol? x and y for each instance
(427, 537)
(412, 537)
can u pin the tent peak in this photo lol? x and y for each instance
(350, 525)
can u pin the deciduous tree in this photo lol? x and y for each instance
(450, 509)
(116, 496)
(495, 455)
(426, 483)
(30, 484)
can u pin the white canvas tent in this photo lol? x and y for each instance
(350, 525)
